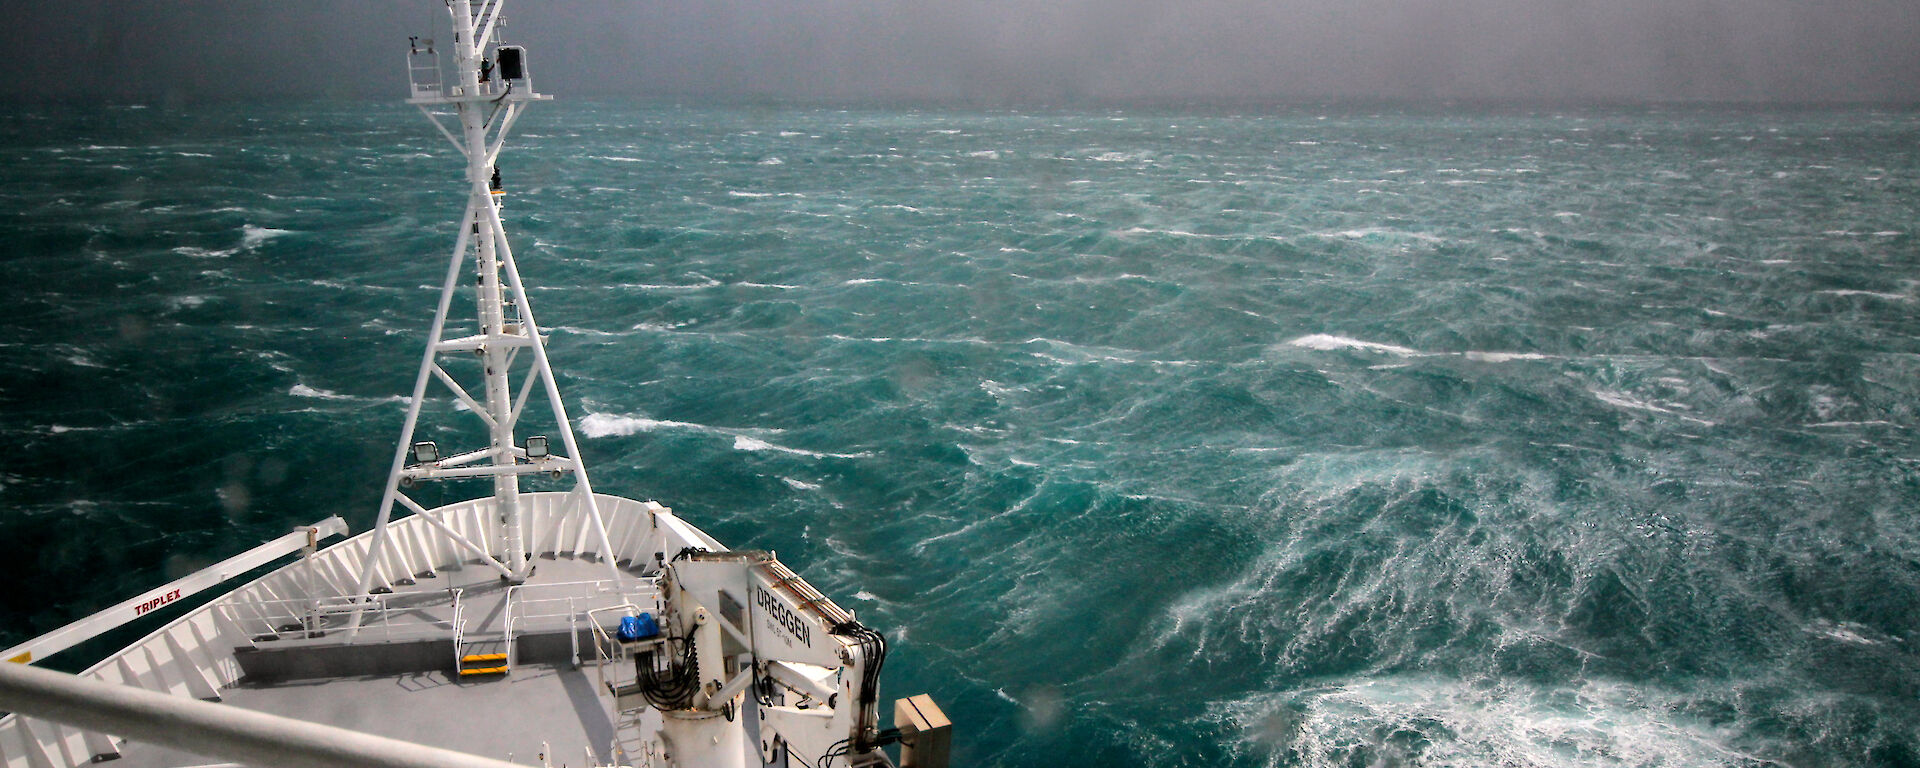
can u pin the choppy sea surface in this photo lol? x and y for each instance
(1315, 437)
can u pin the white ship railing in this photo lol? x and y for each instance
(386, 618)
(612, 654)
(459, 630)
(566, 605)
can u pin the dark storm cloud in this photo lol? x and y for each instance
(1003, 51)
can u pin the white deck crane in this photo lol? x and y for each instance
(739, 623)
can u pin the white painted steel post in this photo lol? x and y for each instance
(215, 730)
(494, 356)
(607, 555)
(413, 416)
(312, 579)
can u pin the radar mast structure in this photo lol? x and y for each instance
(487, 89)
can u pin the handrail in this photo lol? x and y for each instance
(459, 628)
(578, 597)
(259, 618)
(523, 609)
(604, 648)
(214, 730)
(302, 538)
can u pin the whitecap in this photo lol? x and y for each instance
(661, 327)
(1073, 354)
(1382, 232)
(750, 195)
(997, 390)
(1328, 343)
(709, 283)
(82, 360)
(617, 425)
(800, 485)
(1846, 632)
(744, 443)
(1476, 723)
(1505, 357)
(1623, 400)
(251, 235)
(1168, 232)
(302, 390)
(577, 331)
(1875, 294)
(607, 425)
(773, 161)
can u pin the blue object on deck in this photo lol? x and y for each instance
(638, 627)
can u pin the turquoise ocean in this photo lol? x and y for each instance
(1305, 436)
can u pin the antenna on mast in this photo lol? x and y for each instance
(487, 87)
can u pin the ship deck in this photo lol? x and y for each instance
(509, 718)
(281, 643)
(398, 678)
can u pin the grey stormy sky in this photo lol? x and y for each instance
(997, 51)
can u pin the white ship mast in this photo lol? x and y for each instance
(488, 91)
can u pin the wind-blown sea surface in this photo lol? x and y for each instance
(1318, 437)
